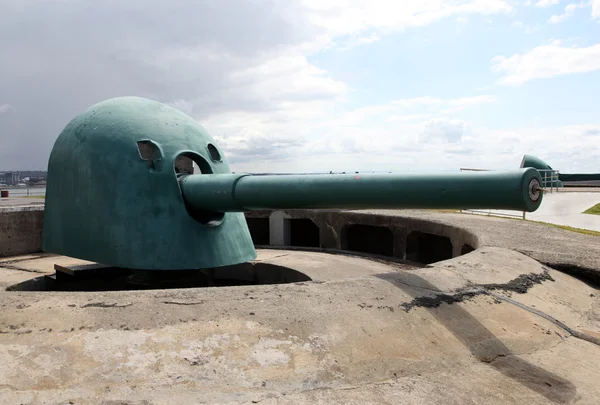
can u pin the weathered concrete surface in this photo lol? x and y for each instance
(20, 229)
(386, 334)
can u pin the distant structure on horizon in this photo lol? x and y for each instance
(13, 178)
(562, 179)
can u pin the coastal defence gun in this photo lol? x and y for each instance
(122, 192)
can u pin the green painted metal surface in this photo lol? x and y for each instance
(547, 172)
(106, 204)
(511, 190)
(581, 178)
(535, 162)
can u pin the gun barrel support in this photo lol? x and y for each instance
(511, 190)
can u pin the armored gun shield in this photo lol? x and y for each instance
(113, 197)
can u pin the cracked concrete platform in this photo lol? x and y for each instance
(490, 327)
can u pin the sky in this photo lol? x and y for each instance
(317, 85)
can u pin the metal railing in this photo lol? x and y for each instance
(550, 180)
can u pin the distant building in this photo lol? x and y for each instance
(32, 177)
(10, 178)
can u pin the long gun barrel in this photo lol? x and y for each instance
(510, 190)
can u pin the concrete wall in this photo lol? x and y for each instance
(334, 225)
(21, 230)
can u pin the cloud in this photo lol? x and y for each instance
(239, 59)
(339, 136)
(546, 61)
(592, 132)
(425, 142)
(4, 108)
(446, 144)
(243, 69)
(343, 17)
(445, 130)
(595, 8)
(459, 150)
(546, 3)
(204, 58)
(528, 29)
(404, 110)
(569, 11)
(435, 101)
(247, 147)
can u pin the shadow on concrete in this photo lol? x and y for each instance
(105, 278)
(484, 345)
(589, 276)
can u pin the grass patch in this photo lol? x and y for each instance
(595, 210)
(34, 196)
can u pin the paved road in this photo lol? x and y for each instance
(566, 209)
(562, 208)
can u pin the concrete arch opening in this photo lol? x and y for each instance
(427, 248)
(371, 239)
(466, 248)
(303, 232)
(259, 231)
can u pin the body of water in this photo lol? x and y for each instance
(24, 191)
